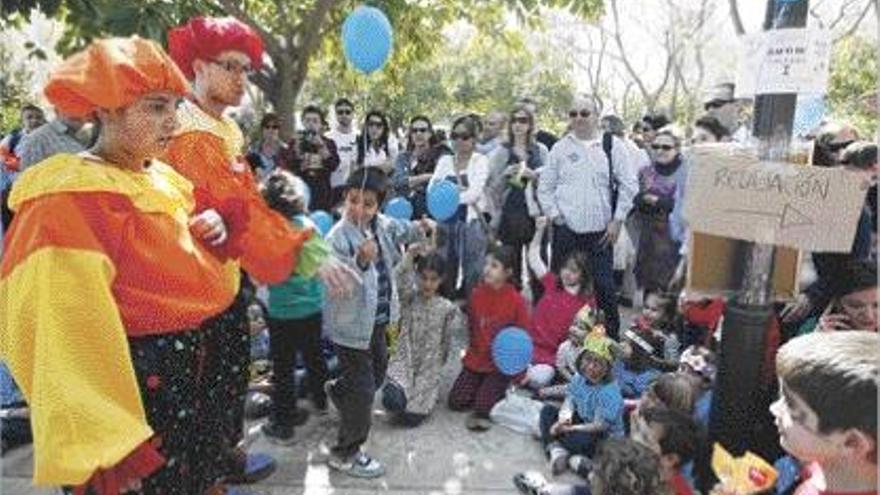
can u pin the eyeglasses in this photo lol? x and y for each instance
(834, 147)
(233, 67)
(419, 130)
(375, 123)
(343, 111)
(583, 113)
(521, 120)
(664, 147)
(716, 104)
(462, 137)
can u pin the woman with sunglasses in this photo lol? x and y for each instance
(514, 169)
(375, 146)
(466, 232)
(414, 167)
(269, 152)
(657, 255)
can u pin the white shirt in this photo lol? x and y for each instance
(377, 157)
(346, 146)
(575, 184)
(477, 172)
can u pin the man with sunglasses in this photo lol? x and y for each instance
(577, 192)
(345, 137)
(721, 104)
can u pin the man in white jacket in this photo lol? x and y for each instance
(576, 191)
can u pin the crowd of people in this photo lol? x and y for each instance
(128, 319)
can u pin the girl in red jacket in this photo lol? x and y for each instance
(494, 305)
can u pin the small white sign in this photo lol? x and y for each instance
(784, 61)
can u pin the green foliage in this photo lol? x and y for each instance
(483, 74)
(854, 69)
(14, 86)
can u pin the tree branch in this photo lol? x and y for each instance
(272, 44)
(309, 31)
(736, 18)
(852, 29)
(841, 14)
(629, 68)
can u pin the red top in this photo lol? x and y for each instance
(554, 313)
(491, 311)
(814, 483)
(679, 485)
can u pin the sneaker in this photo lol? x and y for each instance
(530, 482)
(359, 465)
(580, 465)
(558, 459)
(257, 405)
(277, 434)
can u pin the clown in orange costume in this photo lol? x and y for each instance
(107, 276)
(217, 54)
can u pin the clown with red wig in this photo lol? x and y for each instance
(217, 54)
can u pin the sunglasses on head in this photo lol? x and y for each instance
(834, 147)
(583, 113)
(375, 123)
(463, 136)
(716, 104)
(520, 120)
(343, 111)
(416, 130)
(664, 147)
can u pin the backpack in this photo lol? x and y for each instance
(607, 141)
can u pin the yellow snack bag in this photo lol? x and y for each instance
(745, 475)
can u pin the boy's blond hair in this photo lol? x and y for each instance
(836, 374)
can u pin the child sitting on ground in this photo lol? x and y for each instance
(494, 305)
(622, 467)
(674, 436)
(564, 295)
(566, 356)
(427, 322)
(592, 411)
(635, 369)
(827, 410)
(700, 362)
(658, 321)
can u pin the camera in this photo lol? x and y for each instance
(306, 144)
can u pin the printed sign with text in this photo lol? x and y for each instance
(784, 61)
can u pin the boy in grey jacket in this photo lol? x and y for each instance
(370, 243)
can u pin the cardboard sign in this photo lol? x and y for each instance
(716, 266)
(784, 61)
(732, 194)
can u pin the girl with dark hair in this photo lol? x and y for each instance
(414, 167)
(466, 232)
(494, 305)
(513, 171)
(376, 147)
(565, 294)
(427, 323)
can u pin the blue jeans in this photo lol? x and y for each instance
(577, 442)
(601, 262)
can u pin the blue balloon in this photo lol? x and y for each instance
(443, 200)
(512, 350)
(323, 220)
(399, 208)
(367, 39)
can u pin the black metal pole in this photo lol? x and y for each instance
(740, 402)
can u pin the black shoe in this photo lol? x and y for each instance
(300, 416)
(277, 434)
(258, 405)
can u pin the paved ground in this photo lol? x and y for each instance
(439, 457)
